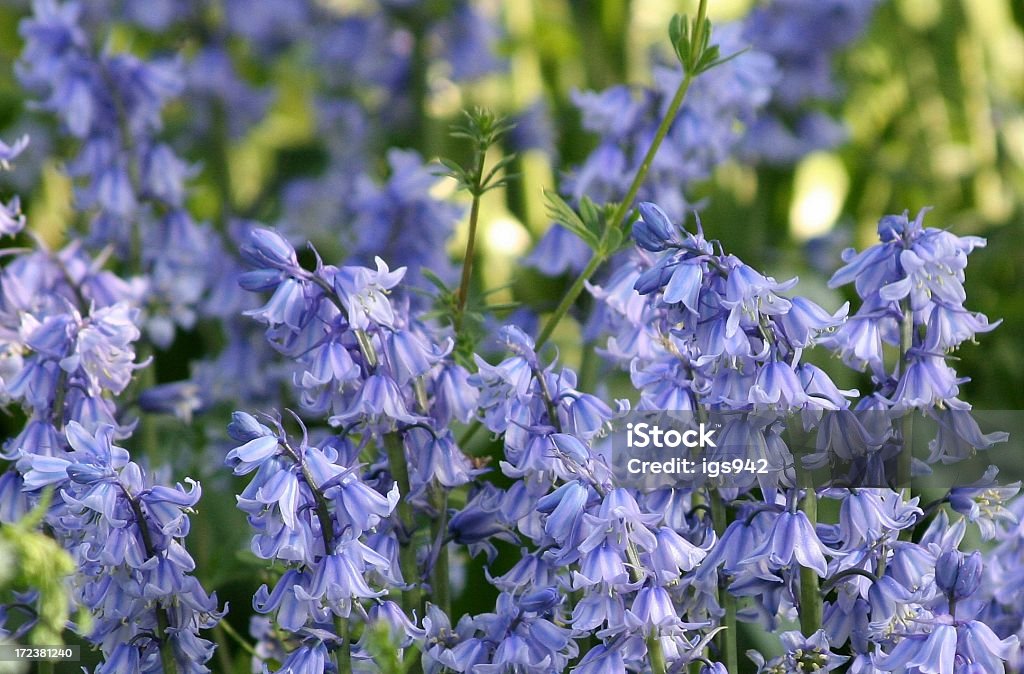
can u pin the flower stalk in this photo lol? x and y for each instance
(810, 595)
(407, 552)
(726, 638)
(609, 242)
(166, 655)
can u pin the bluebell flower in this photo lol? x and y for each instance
(958, 436)
(364, 292)
(653, 231)
(8, 153)
(946, 645)
(809, 654)
(867, 516)
(985, 502)
(140, 526)
(559, 251)
(792, 539)
(309, 658)
(601, 660)
(12, 220)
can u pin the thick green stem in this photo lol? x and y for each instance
(657, 655)
(623, 209)
(439, 579)
(810, 596)
(725, 639)
(344, 652)
(406, 551)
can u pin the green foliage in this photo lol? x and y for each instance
(383, 648)
(473, 328)
(692, 44)
(39, 563)
(483, 129)
(592, 224)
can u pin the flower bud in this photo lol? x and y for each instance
(652, 231)
(244, 427)
(957, 575)
(267, 248)
(540, 601)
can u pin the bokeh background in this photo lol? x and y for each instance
(931, 96)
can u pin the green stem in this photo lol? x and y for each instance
(344, 652)
(467, 263)
(905, 461)
(166, 656)
(439, 580)
(162, 624)
(570, 298)
(657, 655)
(654, 650)
(810, 597)
(726, 639)
(406, 552)
(223, 654)
(622, 210)
(226, 627)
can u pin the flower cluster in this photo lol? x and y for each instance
(802, 37)
(129, 182)
(67, 338)
(362, 363)
(696, 327)
(126, 535)
(312, 512)
(68, 334)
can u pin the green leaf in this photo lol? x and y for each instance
(679, 36)
(719, 61)
(613, 240)
(562, 213)
(592, 216)
(435, 279)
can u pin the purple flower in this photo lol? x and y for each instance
(958, 575)
(364, 293)
(793, 538)
(558, 251)
(9, 153)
